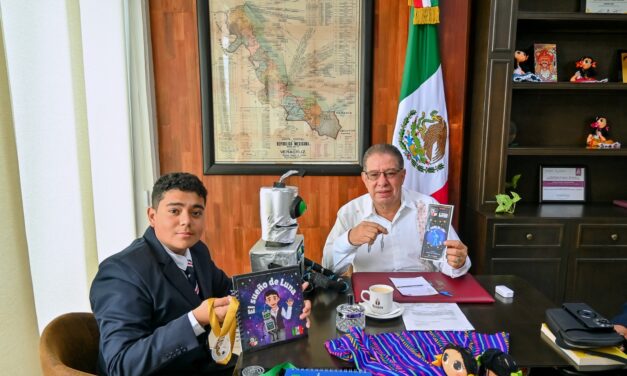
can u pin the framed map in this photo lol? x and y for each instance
(285, 84)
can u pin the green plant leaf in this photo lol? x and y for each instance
(513, 184)
(515, 197)
(515, 180)
(504, 201)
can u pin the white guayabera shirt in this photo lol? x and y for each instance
(398, 250)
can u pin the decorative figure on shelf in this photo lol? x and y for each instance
(523, 68)
(599, 137)
(456, 361)
(586, 71)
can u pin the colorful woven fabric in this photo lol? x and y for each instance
(407, 352)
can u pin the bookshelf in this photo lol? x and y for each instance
(559, 248)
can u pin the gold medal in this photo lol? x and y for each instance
(222, 337)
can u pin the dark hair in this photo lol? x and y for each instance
(182, 181)
(497, 361)
(470, 363)
(384, 149)
(270, 292)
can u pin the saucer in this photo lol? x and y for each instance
(396, 311)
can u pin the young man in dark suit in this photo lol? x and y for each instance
(150, 299)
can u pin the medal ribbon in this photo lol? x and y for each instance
(228, 326)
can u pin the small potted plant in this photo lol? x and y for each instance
(507, 202)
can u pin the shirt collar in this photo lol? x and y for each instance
(179, 260)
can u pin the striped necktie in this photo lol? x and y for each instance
(191, 277)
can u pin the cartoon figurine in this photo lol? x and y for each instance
(494, 362)
(523, 67)
(273, 319)
(456, 361)
(586, 71)
(599, 137)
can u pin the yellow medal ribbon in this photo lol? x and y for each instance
(221, 352)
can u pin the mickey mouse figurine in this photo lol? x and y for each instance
(494, 362)
(456, 361)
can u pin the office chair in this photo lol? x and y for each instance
(69, 345)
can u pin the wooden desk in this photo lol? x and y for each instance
(521, 318)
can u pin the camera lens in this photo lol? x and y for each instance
(586, 313)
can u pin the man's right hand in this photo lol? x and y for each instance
(365, 232)
(220, 306)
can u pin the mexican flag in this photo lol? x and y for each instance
(421, 131)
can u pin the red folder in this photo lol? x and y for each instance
(464, 289)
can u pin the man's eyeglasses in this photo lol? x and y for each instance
(389, 174)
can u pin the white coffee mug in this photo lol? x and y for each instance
(379, 298)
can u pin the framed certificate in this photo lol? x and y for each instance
(563, 183)
(605, 6)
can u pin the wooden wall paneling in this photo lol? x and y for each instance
(233, 202)
(454, 35)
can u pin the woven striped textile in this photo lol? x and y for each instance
(408, 352)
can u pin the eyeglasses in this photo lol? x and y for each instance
(389, 174)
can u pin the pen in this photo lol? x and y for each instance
(400, 287)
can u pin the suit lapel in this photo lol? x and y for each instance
(172, 273)
(200, 259)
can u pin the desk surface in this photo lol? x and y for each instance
(521, 318)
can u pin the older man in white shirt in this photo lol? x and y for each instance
(383, 229)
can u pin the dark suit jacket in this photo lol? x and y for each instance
(141, 300)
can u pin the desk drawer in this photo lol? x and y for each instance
(527, 235)
(602, 235)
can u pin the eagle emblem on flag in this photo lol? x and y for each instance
(423, 140)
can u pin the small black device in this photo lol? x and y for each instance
(318, 276)
(588, 316)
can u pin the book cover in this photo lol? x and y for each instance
(436, 231)
(581, 360)
(545, 57)
(271, 302)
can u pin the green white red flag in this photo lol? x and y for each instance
(421, 131)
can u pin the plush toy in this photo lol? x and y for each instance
(523, 67)
(586, 70)
(599, 136)
(456, 361)
(494, 362)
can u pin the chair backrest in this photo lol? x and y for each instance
(69, 345)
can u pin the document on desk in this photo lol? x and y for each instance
(435, 316)
(415, 286)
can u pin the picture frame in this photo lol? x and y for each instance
(566, 184)
(604, 6)
(622, 65)
(285, 89)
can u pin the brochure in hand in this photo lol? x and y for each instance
(436, 231)
(271, 302)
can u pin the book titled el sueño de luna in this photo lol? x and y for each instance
(271, 302)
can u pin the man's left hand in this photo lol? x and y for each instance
(456, 253)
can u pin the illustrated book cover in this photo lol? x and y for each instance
(436, 231)
(271, 302)
(545, 57)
